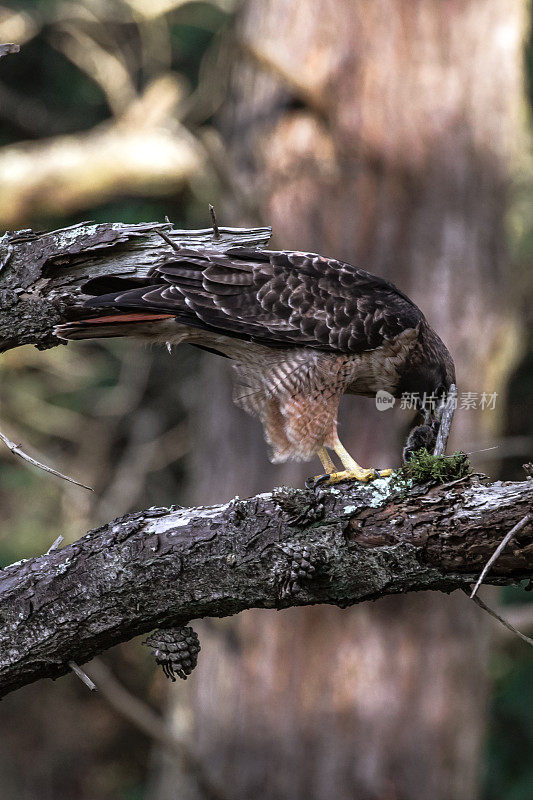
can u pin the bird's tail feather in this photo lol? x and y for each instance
(111, 326)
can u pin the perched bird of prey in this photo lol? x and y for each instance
(300, 329)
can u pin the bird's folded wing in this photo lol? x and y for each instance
(276, 298)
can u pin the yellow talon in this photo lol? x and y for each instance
(360, 474)
(352, 472)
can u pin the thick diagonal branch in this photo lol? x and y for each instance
(163, 567)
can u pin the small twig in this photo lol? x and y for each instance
(84, 678)
(216, 232)
(473, 452)
(478, 601)
(482, 450)
(518, 614)
(54, 545)
(168, 240)
(445, 417)
(16, 450)
(461, 480)
(506, 539)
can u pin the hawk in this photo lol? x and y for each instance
(300, 329)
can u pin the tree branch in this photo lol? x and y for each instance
(164, 567)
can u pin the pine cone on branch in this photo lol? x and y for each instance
(302, 567)
(176, 650)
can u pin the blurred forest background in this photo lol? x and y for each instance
(390, 133)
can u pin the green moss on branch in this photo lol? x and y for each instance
(423, 467)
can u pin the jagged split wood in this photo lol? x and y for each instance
(165, 567)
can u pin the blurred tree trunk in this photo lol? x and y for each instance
(380, 133)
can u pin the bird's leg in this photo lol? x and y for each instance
(352, 470)
(327, 463)
(329, 469)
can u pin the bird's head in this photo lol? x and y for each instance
(435, 378)
(429, 375)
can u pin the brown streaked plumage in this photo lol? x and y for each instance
(300, 329)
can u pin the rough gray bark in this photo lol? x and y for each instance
(41, 274)
(163, 567)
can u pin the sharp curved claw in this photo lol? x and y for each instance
(312, 483)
